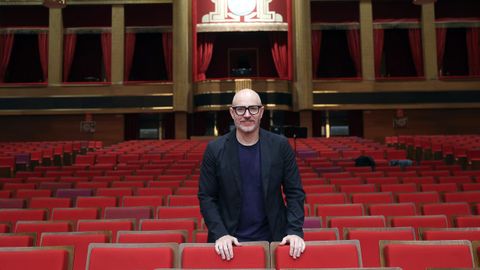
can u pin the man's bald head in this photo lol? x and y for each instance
(246, 95)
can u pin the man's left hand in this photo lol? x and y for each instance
(297, 245)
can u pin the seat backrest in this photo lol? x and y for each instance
(39, 227)
(78, 240)
(14, 215)
(356, 221)
(416, 255)
(320, 234)
(369, 239)
(163, 236)
(417, 222)
(471, 234)
(131, 256)
(38, 258)
(326, 210)
(393, 209)
(187, 224)
(112, 225)
(17, 239)
(249, 255)
(318, 254)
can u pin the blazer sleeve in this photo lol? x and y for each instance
(208, 195)
(292, 187)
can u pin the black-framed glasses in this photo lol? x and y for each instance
(241, 110)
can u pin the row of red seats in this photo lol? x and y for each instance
(408, 255)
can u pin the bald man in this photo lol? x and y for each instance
(241, 181)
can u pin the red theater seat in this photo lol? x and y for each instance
(320, 234)
(14, 215)
(38, 258)
(419, 255)
(39, 227)
(437, 221)
(131, 256)
(355, 222)
(318, 254)
(78, 240)
(369, 241)
(326, 210)
(249, 255)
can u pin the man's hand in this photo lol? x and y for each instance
(297, 245)
(224, 246)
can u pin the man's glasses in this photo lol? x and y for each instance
(241, 110)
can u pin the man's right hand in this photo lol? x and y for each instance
(224, 246)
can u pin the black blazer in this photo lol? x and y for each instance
(220, 186)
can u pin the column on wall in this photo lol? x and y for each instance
(429, 42)
(182, 87)
(302, 84)
(366, 40)
(117, 44)
(55, 46)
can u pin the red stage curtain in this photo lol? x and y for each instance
(415, 39)
(316, 46)
(204, 53)
(68, 54)
(473, 50)
(278, 45)
(43, 51)
(107, 54)
(129, 52)
(6, 44)
(168, 53)
(353, 37)
(441, 38)
(378, 47)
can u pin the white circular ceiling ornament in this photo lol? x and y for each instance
(242, 7)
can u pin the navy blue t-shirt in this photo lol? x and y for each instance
(253, 225)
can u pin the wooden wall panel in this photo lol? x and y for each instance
(109, 128)
(379, 123)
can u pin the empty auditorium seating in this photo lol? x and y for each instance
(249, 255)
(318, 254)
(467, 221)
(137, 212)
(39, 258)
(392, 209)
(78, 240)
(326, 210)
(74, 214)
(413, 255)
(369, 239)
(433, 221)
(131, 256)
(14, 215)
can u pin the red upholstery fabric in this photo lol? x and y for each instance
(467, 221)
(392, 209)
(151, 237)
(321, 234)
(437, 221)
(42, 226)
(111, 225)
(471, 234)
(34, 258)
(193, 256)
(188, 224)
(14, 215)
(422, 256)
(325, 210)
(370, 238)
(16, 240)
(130, 256)
(74, 214)
(327, 254)
(79, 241)
(364, 221)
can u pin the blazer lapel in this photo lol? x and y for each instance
(265, 160)
(233, 159)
